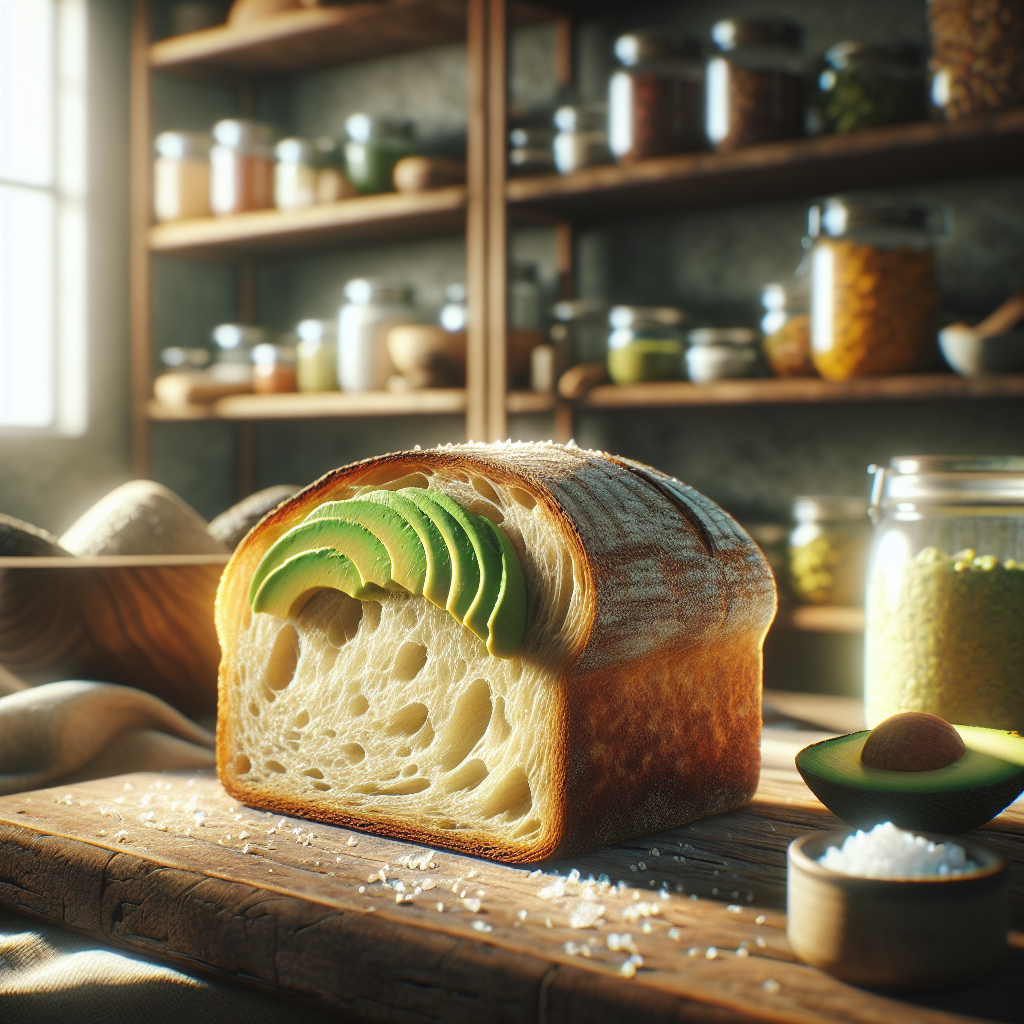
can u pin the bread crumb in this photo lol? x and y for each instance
(472, 905)
(771, 986)
(760, 919)
(440, 908)
(482, 926)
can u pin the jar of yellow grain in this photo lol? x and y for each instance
(873, 291)
(945, 591)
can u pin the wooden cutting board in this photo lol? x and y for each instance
(169, 866)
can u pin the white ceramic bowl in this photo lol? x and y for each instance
(971, 355)
(896, 933)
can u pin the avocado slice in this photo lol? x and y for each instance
(506, 626)
(404, 547)
(957, 798)
(488, 559)
(359, 544)
(301, 574)
(437, 581)
(465, 568)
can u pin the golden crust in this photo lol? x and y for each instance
(660, 700)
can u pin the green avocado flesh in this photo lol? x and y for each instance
(957, 798)
(410, 541)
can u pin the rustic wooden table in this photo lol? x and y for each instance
(167, 865)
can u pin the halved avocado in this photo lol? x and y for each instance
(957, 798)
(291, 584)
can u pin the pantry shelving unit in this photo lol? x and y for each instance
(489, 204)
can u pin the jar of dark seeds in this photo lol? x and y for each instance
(977, 55)
(656, 98)
(755, 82)
(870, 86)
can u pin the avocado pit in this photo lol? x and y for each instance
(913, 741)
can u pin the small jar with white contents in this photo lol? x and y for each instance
(373, 306)
(308, 172)
(582, 138)
(720, 353)
(317, 355)
(181, 176)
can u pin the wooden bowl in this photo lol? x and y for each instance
(896, 933)
(140, 620)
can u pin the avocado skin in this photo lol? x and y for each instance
(912, 803)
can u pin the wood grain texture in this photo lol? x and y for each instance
(658, 691)
(143, 625)
(777, 170)
(157, 864)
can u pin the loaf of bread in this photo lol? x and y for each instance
(598, 679)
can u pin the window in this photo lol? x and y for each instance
(42, 215)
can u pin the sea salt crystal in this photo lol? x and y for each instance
(890, 852)
(585, 914)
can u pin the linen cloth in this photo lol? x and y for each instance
(73, 731)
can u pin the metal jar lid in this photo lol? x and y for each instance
(829, 508)
(365, 291)
(245, 135)
(911, 480)
(183, 145)
(644, 46)
(852, 54)
(836, 216)
(366, 128)
(642, 316)
(777, 33)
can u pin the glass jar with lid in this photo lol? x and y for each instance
(273, 368)
(873, 292)
(656, 99)
(720, 353)
(316, 355)
(309, 171)
(645, 343)
(828, 550)
(181, 176)
(373, 306)
(582, 138)
(375, 145)
(945, 592)
(755, 82)
(786, 326)
(869, 86)
(242, 166)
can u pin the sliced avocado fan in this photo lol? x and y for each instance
(410, 541)
(957, 798)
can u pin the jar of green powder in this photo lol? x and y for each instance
(645, 344)
(945, 593)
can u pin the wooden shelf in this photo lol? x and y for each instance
(776, 391)
(779, 170)
(821, 618)
(528, 401)
(317, 405)
(305, 40)
(389, 215)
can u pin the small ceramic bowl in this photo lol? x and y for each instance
(896, 933)
(140, 620)
(971, 355)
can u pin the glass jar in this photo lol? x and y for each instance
(241, 166)
(233, 343)
(755, 82)
(656, 99)
(316, 356)
(580, 332)
(945, 597)
(531, 149)
(873, 292)
(645, 343)
(721, 353)
(977, 55)
(375, 145)
(309, 171)
(454, 313)
(828, 550)
(582, 139)
(181, 176)
(374, 306)
(273, 369)
(869, 86)
(786, 326)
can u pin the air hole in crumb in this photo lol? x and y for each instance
(469, 776)
(425, 736)
(488, 511)
(499, 727)
(329, 733)
(301, 720)
(409, 662)
(510, 796)
(268, 693)
(283, 658)
(563, 595)
(358, 705)
(405, 787)
(461, 477)
(242, 764)
(313, 773)
(254, 709)
(293, 734)
(371, 615)
(410, 769)
(483, 488)
(403, 751)
(334, 614)
(521, 497)
(527, 828)
(275, 766)
(408, 720)
(322, 786)
(467, 724)
(383, 480)
(352, 752)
